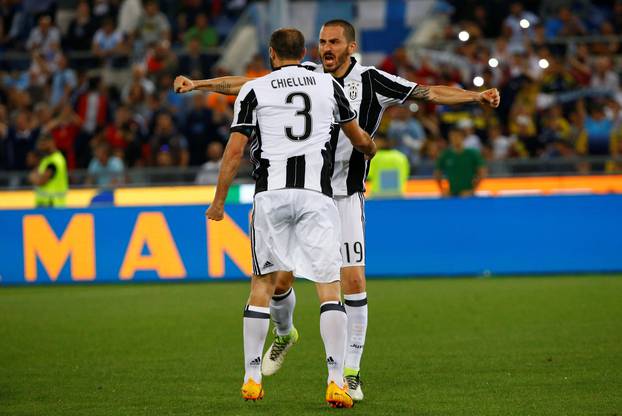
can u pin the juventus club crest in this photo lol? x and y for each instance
(352, 89)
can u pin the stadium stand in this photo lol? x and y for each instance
(94, 72)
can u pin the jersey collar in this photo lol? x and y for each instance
(285, 66)
(350, 68)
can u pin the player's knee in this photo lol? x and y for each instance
(283, 283)
(328, 292)
(260, 297)
(353, 280)
(262, 290)
(281, 288)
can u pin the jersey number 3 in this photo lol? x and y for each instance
(304, 113)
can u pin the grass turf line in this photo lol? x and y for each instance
(510, 346)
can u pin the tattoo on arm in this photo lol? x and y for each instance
(421, 92)
(223, 87)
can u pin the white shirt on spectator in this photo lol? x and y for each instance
(101, 8)
(130, 14)
(104, 175)
(513, 22)
(45, 42)
(208, 175)
(152, 29)
(107, 42)
(501, 147)
(608, 81)
(472, 141)
(40, 75)
(61, 80)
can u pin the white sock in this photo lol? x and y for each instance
(356, 308)
(333, 327)
(282, 311)
(256, 323)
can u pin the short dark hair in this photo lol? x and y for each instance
(288, 43)
(348, 29)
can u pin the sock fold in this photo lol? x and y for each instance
(282, 311)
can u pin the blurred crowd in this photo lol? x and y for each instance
(100, 83)
(557, 65)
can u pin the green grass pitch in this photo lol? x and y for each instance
(507, 346)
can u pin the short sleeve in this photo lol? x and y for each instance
(342, 111)
(391, 89)
(116, 165)
(245, 111)
(92, 169)
(70, 78)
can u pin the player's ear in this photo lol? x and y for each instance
(304, 53)
(352, 47)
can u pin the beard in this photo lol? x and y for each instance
(334, 61)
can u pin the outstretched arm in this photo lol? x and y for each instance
(224, 85)
(442, 94)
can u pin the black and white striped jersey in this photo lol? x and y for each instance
(370, 91)
(289, 114)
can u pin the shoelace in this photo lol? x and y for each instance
(279, 346)
(353, 382)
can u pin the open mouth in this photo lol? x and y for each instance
(329, 58)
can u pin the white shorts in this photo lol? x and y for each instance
(296, 230)
(352, 215)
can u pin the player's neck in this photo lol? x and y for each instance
(343, 69)
(278, 63)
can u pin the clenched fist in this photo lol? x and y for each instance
(215, 212)
(183, 84)
(490, 97)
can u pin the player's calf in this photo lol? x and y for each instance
(355, 299)
(256, 322)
